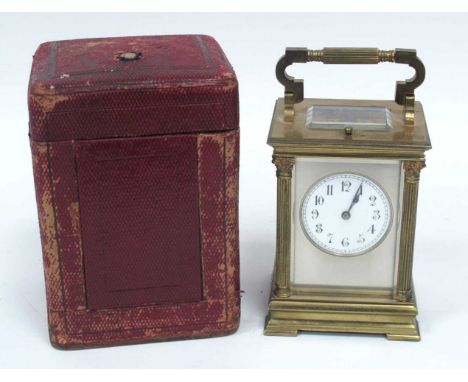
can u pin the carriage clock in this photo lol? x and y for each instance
(347, 188)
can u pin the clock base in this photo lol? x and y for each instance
(346, 314)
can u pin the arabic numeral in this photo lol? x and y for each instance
(314, 214)
(319, 200)
(319, 228)
(345, 186)
(330, 238)
(361, 239)
(372, 199)
(376, 215)
(345, 242)
(330, 189)
(371, 229)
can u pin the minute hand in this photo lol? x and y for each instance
(356, 197)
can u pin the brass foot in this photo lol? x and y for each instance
(277, 328)
(408, 335)
(280, 332)
(403, 337)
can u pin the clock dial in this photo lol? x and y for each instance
(346, 214)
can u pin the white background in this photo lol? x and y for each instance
(253, 43)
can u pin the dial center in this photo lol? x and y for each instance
(346, 215)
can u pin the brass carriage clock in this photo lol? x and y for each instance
(347, 188)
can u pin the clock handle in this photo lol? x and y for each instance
(294, 89)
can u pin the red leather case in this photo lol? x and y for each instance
(135, 146)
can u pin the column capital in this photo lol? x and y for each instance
(284, 165)
(413, 169)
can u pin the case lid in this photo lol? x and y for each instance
(131, 86)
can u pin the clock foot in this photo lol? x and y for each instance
(409, 335)
(403, 337)
(280, 332)
(275, 327)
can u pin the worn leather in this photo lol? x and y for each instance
(136, 172)
(140, 220)
(180, 84)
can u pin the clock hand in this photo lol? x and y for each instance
(347, 214)
(356, 197)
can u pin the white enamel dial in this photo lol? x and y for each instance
(346, 214)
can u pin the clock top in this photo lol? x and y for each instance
(374, 129)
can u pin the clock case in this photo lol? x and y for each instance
(371, 310)
(135, 146)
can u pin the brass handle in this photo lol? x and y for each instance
(294, 89)
(350, 55)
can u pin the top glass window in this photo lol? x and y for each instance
(357, 117)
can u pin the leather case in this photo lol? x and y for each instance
(135, 147)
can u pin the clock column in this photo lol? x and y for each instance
(284, 166)
(408, 227)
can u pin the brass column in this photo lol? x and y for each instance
(408, 226)
(284, 166)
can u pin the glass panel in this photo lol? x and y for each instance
(358, 117)
(357, 264)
